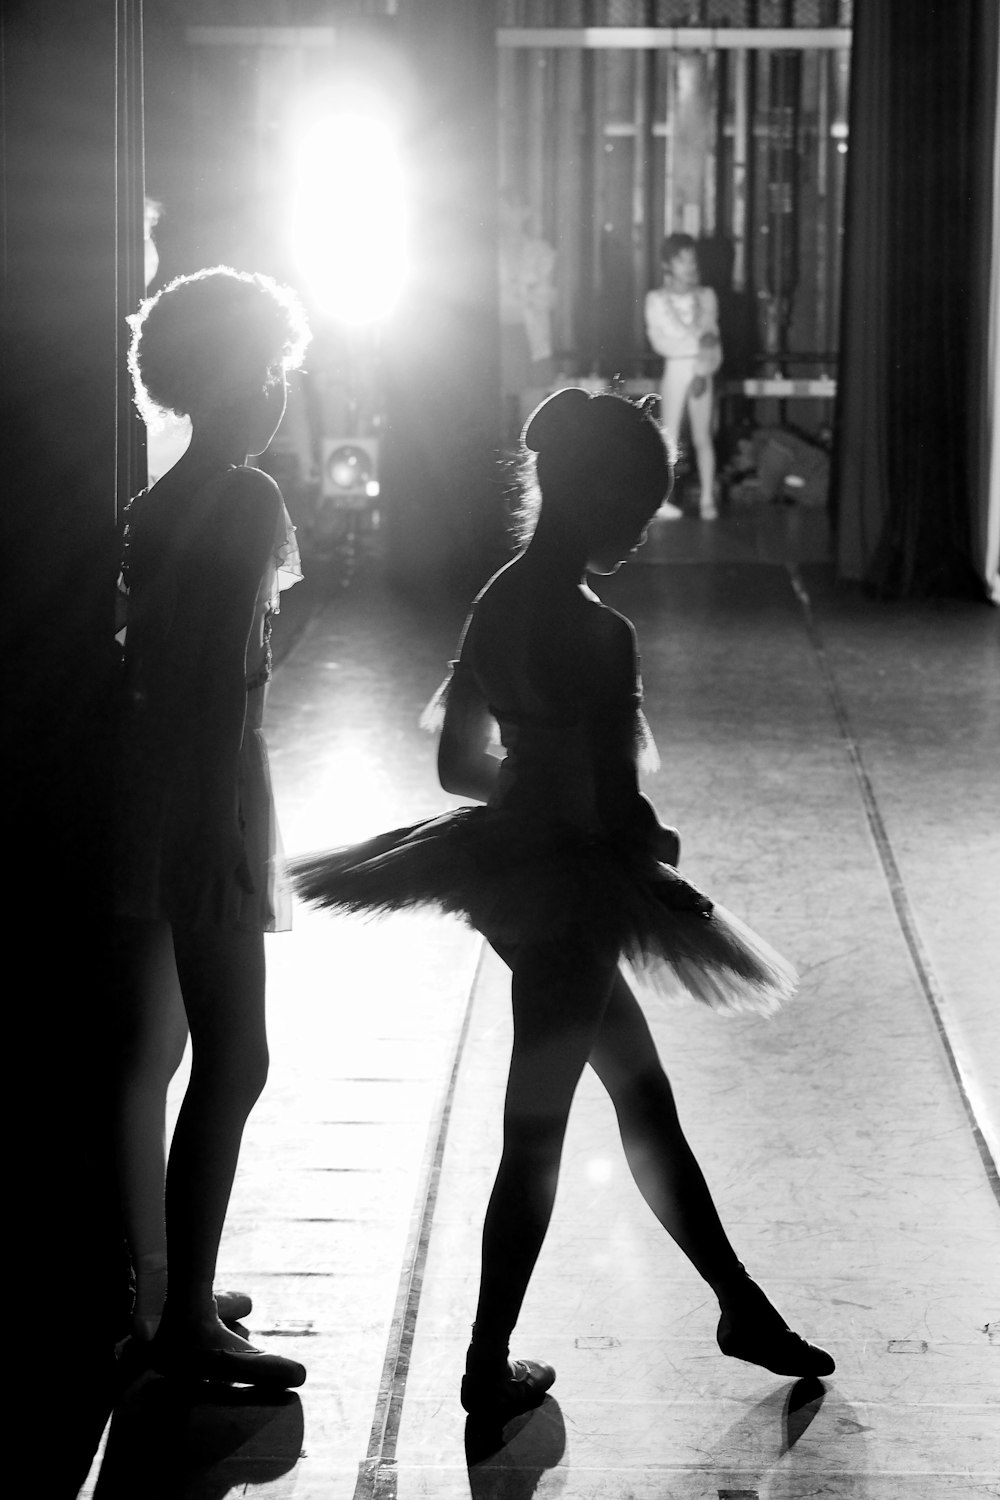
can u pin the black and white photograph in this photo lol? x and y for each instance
(502, 530)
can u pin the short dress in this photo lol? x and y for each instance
(158, 873)
(537, 865)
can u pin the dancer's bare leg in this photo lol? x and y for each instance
(152, 1029)
(701, 410)
(665, 1169)
(670, 1179)
(222, 981)
(674, 384)
(558, 1001)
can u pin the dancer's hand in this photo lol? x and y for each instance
(675, 892)
(663, 843)
(668, 846)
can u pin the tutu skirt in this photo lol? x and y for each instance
(519, 881)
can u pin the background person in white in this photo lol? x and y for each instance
(682, 324)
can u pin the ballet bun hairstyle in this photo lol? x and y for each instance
(588, 456)
(213, 339)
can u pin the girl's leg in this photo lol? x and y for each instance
(222, 981)
(670, 1179)
(666, 1172)
(677, 375)
(700, 413)
(152, 1031)
(558, 1001)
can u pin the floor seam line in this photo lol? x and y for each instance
(905, 917)
(380, 1459)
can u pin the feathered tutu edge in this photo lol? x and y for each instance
(513, 884)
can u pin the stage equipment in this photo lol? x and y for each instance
(349, 473)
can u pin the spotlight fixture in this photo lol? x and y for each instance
(349, 478)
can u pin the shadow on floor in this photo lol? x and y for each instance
(508, 1463)
(170, 1441)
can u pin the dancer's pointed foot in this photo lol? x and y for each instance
(753, 1330)
(503, 1396)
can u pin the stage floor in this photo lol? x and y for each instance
(831, 763)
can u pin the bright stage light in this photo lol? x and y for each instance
(349, 231)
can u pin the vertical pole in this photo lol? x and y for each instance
(440, 478)
(741, 143)
(821, 62)
(670, 221)
(641, 189)
(129, 218)
(714, 146)
(590, 144)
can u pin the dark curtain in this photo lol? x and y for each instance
(914, 342)
(70, 133)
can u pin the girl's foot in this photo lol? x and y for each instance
(708, 511)
(751, 1329)
(232, 1307)
(517, 1388)
(669, 512)
(150, 1295)
(208, 1350)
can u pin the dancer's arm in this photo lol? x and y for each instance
(709, 344)
(656, 329)
(244, 538)
(465, 766)
(624, 808)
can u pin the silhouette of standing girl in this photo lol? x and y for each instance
(207, 549)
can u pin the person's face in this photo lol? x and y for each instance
(623, 540)
(682, 268)
(268, 415)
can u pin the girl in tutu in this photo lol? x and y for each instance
(207, 550)
(566, 869)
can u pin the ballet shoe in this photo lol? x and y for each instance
(709, 512)
(752, 1330)
(233, 1307)
(668, 512)
(228, 1366)
(522, 1389)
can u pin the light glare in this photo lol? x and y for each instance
(348, 218)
